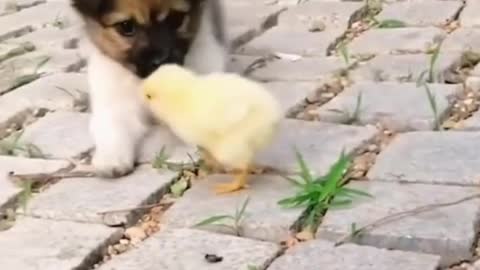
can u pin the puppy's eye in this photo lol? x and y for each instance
(175, 19)
(126, 28)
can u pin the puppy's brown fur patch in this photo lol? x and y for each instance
(105, 35)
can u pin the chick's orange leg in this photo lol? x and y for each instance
(239, 182)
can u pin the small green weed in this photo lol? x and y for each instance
(423, 82)
(179, 187)
(26, 194)
(11, 147)
(161, 159)
(343, 50)
(235, 219)
(390, 23)
(351, 117)
(318, 194)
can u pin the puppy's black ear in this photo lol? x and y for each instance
(92, 8)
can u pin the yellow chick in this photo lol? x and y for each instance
(226, 115)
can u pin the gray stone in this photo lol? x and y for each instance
(83, 199)
(60, 135)
(396, 40)
(473, 122)
(12, 6)
(247, 20)
(304, 69)
(463, 39)
(162, 137)
(8, 190)
(186, 249)
(11, 50)
(319, 143)
(290, 94)
(385, 103)
(52, 37)
(292, 41)
(416, 12)
(240, 63)
(16, 71)
(469, 16)
(430, 157)
(45, 244)
(293, 34)
(55, 92)
(448, 231)
(313, 254)
(50, 14)
(333, 15)
(264, 219)
(473, 83)
(404, 68)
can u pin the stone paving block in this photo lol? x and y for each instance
(471, 123)
(320, 144)
(319, 253)
(34, 244)
(463, 39)
(11, 50)
(385, 103)
(331, 14)
(239, 63)
(413, 13)
(405, 68)
(52, 13)
(15, 70)
(304, 69)
(8, 190)
(290, 94)
(60, 135)
(448, 231)
(396, 40)
(65, 91)
(186, 249)
(247, 20)
(8, 7)
(83, 199)
(52, 37)
(430, 157)
(292, 41)
(162, 137)
(469, 16)
(264, 218)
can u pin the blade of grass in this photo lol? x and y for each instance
(391, 23)
(213, 220)
(304, 170)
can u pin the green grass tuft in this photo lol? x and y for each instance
(318, 194)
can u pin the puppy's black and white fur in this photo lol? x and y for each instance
(129, 39)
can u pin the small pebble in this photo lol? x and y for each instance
(316, 25)
(135, 233)
(212, 258)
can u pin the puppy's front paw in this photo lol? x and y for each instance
(112, 165)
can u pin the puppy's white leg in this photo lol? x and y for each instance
(118, 120)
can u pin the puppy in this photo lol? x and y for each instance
(129, 39)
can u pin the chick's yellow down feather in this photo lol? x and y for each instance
(227, 115)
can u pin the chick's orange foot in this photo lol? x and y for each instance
(239, 182)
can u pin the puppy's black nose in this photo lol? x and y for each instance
(157, 60)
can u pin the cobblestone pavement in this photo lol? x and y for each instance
(318, 57)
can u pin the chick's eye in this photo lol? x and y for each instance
(148, 96)
(126, 28)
